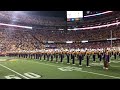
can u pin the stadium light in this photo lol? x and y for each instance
(11, 25)
(84, 41)
(69, 41)
(60, 29)
(112, 39)
(50, 41)
(99, 13)
(17, 12)
(107, 25)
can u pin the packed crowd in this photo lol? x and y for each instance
(23, 39)
(57, 35)
(16, 39)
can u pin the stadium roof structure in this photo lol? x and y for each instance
(60, 14)
(38, 18)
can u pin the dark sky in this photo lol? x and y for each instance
(49, 13)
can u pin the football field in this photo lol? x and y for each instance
(21, 68)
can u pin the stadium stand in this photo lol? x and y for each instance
(23, 39)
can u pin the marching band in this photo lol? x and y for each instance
(70, 54)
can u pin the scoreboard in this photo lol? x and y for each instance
(74, 15)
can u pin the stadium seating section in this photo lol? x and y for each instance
(25, 39)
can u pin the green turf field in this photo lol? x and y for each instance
(20, 68)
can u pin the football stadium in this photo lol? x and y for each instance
(59, 44)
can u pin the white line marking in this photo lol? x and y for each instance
(114, 66)
(115, 61)
(101, 74)
(98, 64)
(14, 71)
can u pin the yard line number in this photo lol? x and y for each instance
(30, 75)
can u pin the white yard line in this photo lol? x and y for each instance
(101, 74)
(14, 71)
(114, 66)
(115, 61)
(98, 64)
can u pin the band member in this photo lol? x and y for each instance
(88, 58)
(63, 53)
(34, 55)
(61, 57)
(68, 58)
(31, 55)
(110, 53)
(44, 55)
(97, 53)
(114, 54)
(71, 55)
(56, 55)
(100, 56)
(119, 54)
(40, 55)
(93, 53)
(48, 55)
(23, 55)
(73, 58)
(19, 55)
(83, 55)
(51, 56)
(103, 55)
(80, 58)
(26, 55)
